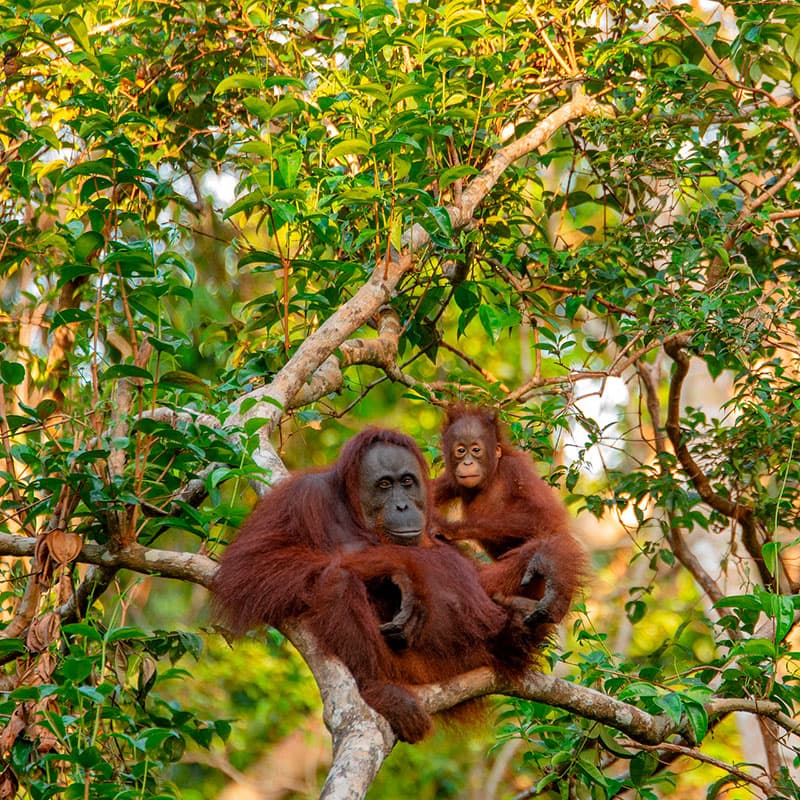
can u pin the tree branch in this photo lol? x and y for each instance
(739, 512)
(379, 352)
(191, 567)
(269, 402)
(677, 541)
(692, 752)
(581, 105)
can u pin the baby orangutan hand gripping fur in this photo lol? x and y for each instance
(346, 551)
(497, 500)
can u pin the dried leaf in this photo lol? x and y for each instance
(43, 631)
(9, 734)
(46, 740)
(8, 784)
(64, 547)
(147, 676)
(121, 664)
(45, 666)
(42, 560)
(65, 588)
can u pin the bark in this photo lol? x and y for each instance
(191, 567)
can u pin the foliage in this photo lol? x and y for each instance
(190, 191)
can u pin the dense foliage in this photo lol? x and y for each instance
(201, 204)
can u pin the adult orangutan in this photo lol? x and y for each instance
(346, 551)
(490, 493)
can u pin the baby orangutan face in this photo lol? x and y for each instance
(472, 452)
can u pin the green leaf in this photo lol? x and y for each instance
(609, 741)
(239, 80)
(285, 80)
(92, 693)
(187, 381)
(87, 243)
(771, 553)
(260, 108)
(72, 271)
(548, 779)
(744, 601)
(698, 719)
(781, 608)
(79, 33)
(11, 373)
(758, 647)
(571, 306)
(289, 166)
(125, 371)
(408, 90)
(46, 134)
(643, 765)
(490, 321)
(349, 147)
(129, 632)
(438, 43)
(442, 219)
(360, 194)
(10, 647)
(638, 689)
(451, 174)
(82, 629)
(635, 609)
(591, 770)
(672, 704)
(251, 200)
(77, 669)
(286, 105)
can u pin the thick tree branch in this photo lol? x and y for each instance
(581, 105)
(378, 352)
(362, 739)
(268, 403)
(191, 567)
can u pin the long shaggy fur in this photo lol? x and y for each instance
(515, 518)
(305, 553)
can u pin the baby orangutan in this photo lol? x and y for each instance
(491, 494)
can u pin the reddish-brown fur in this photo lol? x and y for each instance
(516, 517)
(305, 553)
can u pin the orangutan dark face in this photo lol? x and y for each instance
(392, 493)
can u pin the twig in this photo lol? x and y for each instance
(484, 373)
(692, 752)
